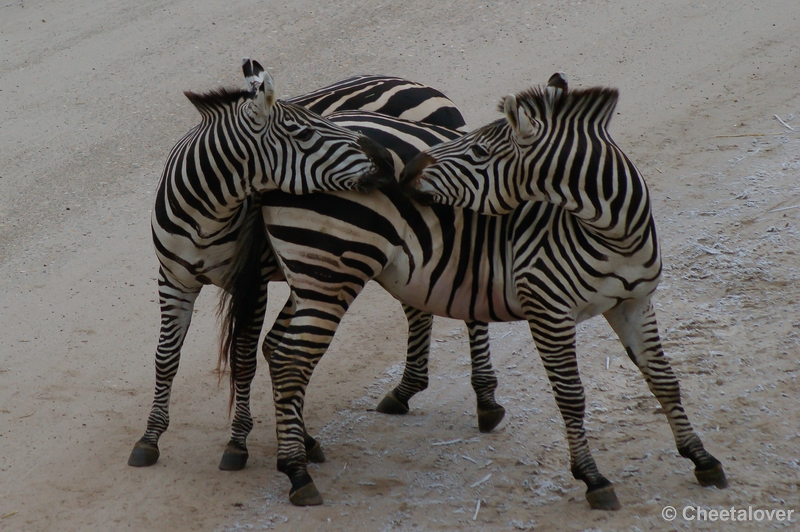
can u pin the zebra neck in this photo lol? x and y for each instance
(199, 211)
(613, 205)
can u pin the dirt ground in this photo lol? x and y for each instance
(90, 103)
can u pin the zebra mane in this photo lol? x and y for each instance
(542, 102)
(216, 98)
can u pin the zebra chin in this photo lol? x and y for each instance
(382, 171)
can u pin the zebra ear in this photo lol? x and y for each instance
(253, 73)
(558, 81)
(520, 122)
(265, 92)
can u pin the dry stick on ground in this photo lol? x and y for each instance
(784, 124)
(784, 208)
(744, 135)
(481, 481)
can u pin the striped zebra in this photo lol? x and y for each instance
(249, 142)
(404, 139)
(591, 247)
(538, 262)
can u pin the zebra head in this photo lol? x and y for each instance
(249, 142)
(522, 157)
(303, 152)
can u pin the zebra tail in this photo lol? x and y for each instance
(239, 297)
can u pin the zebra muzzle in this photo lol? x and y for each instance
(381, 160)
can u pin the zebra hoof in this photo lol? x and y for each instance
(392, 405)
(489, 418)
(603, 499)
(315, 454)
(144, 454)
(234, 458)
(712, 477)
(306, 496)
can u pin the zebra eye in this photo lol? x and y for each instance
(304, 134)
(479, 151)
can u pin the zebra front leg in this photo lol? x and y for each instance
(415, 374)
(291, 364)
(314, 452)
(635, 323)
(555, 339)
(484, 381)
(176, 304)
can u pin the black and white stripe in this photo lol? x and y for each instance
(585, 245)
(249, 142)
(593, 250)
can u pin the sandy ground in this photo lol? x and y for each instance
(90, 103)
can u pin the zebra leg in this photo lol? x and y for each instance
(554, 336)
(484, 381)
(635, 323)
(415, 374)
(291, 364)
(275, 334)
(235, 456)
(314, 452)
(176, 303)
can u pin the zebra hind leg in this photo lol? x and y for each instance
(555, 340)
(635, 324)
(484, 381)
(235, 455)
(314, 452)
(176, 316)
(415, 374)
(291, 365)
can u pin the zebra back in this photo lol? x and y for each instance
(386, 95)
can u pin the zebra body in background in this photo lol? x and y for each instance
(202, 200)
(385, 95)
(594, 249)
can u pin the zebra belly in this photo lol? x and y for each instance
(476, 296)
(191, 265)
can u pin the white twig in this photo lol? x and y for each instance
(787, 126)
(607, 361)
(434, 444)
(477, 509)
(465, 457)
(481, 481)
(784, 208)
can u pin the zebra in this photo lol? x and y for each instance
(194, 235)
(247, 142)
(537, 262)
(594, 249)
(404, 139)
